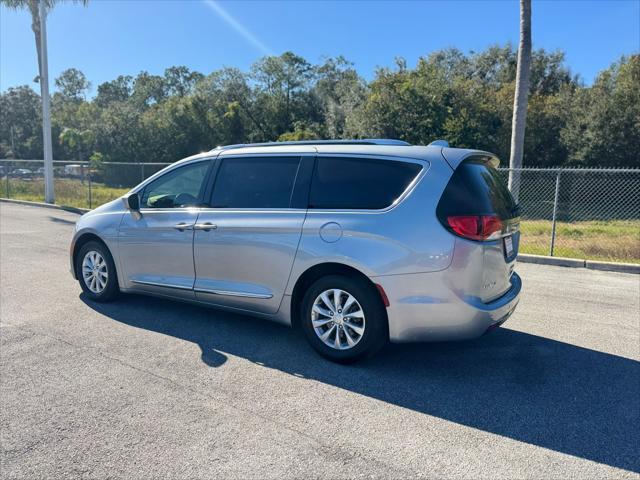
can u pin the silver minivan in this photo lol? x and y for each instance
(354, 242)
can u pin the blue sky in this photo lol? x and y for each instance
(113, 37)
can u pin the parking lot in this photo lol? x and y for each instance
(149, 388)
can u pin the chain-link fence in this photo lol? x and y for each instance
(76, 184)
(580, 213)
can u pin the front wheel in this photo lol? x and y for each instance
(344, 319)
(96, 272)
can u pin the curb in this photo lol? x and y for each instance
(523, 257)
(579, 263)
(558, 261)
(614, 267)
(45, 205)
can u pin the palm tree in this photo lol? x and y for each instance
(38, 10)
(520, 99)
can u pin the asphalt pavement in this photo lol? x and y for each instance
(147, 388)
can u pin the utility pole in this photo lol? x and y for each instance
(49, 195)
(521, 99)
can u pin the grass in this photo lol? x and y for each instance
(69, 192)
(614, 240)
(611, 240)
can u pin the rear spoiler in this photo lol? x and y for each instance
(455, 156)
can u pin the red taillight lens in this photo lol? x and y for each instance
(476, 227)
(491, 225)
(465, 225)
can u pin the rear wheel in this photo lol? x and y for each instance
(96, 272)
(344, 319)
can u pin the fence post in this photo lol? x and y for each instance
(555, 214)
(7, 176)
(89, 179)
(142, 172)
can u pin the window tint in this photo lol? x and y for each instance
(260, 182)
(476, 188)
(177, 188)
(359, 183)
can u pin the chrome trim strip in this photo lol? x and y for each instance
(234, 294)
(253, 210)
(157, 284)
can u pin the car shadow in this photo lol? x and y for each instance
(62, 220)
(532, 389)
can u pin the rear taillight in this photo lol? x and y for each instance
(476, 227)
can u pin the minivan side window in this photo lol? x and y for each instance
(176, 189)
(359, 183)
(255, 182)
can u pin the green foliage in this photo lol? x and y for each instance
(603, 122)
(72, 85)
(301, 132)
(78, 141)
(96, 160)
(20, 123)
(464, 98)
(118, 90)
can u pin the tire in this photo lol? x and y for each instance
(94, 290)
(368, 334)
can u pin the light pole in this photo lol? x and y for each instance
(49, 195)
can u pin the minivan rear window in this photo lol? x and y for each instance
(476, 188)
(359, 183)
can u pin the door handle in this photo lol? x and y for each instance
(205, 226)
(183, 226)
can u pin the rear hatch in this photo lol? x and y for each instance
(477, 207)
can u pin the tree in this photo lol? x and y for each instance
(603, 121)
(181, 81)
(118, 90)
(147, 90)
(78, 141)
(227, 103)
(466, 98)
(338, 90)
(407, 104)
(20, 123)
(520, 99)
(38, 10)
(282, 84)
(72, 84)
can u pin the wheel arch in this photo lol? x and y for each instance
(318, 271)
(82, 240)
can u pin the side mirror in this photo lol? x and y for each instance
(133, 202)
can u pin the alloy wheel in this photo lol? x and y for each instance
(338, 319)
(94, 272)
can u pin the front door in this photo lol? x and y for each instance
(245, 244)
(156, 246)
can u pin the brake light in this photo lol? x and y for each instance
(476, 227)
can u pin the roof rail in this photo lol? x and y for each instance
(366, 141)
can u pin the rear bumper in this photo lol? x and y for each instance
(426, 307)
